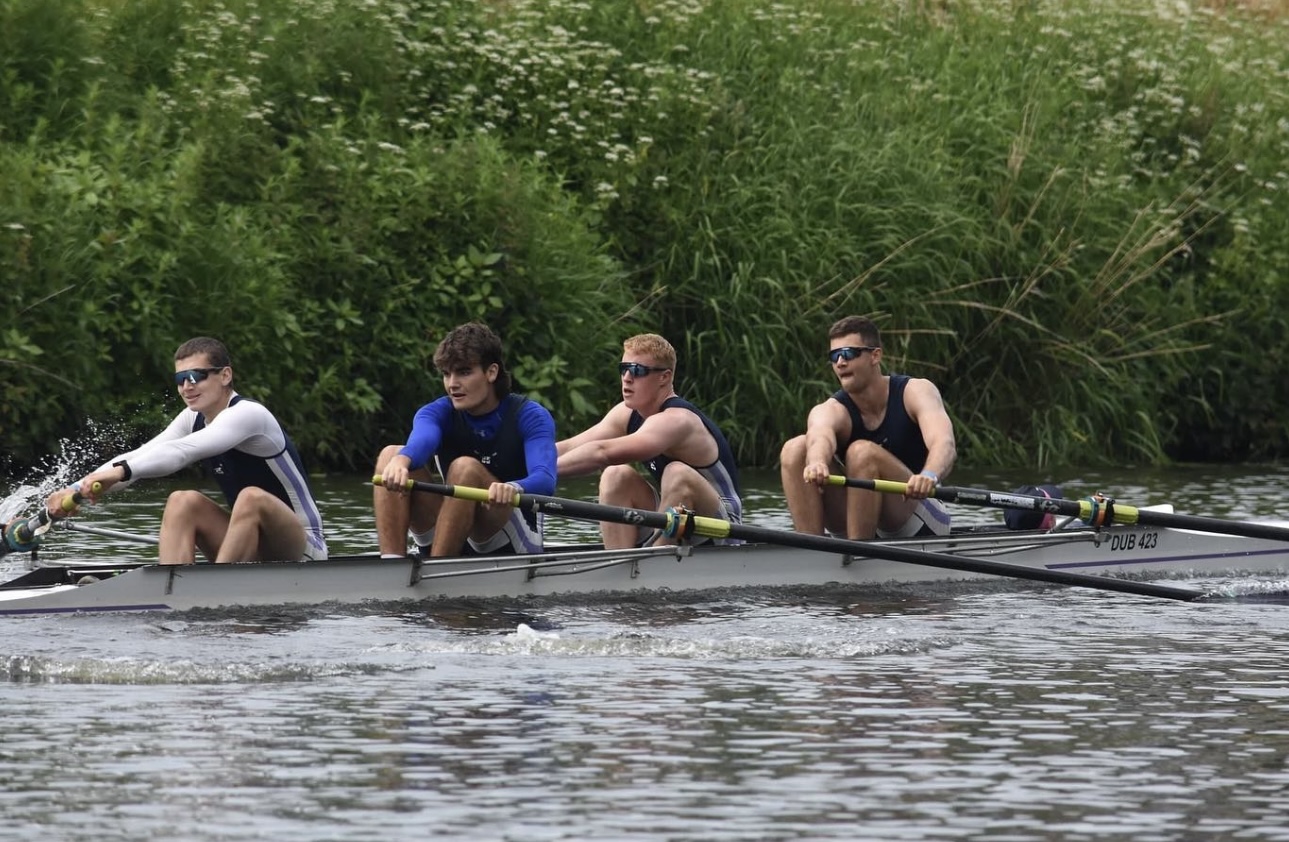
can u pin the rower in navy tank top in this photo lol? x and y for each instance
(875, 426)
(721, 474)
(896, 432)
(682, 448)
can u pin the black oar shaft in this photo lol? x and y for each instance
(1089, 511)
(674, 523)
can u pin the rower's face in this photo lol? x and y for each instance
(852, 361)
(470, 388)
(201, 385)
(644, 379)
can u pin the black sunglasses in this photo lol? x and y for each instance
(195, 375)
(849, 352)
(638, 369)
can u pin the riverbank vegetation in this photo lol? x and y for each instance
(1070, 215)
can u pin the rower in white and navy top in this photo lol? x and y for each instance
(273, 516)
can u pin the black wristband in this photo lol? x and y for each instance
(126, 473)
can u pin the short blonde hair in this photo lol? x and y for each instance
(654, 346)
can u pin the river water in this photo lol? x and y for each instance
(991, 710)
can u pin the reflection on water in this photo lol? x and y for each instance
(1036, 715)
(978, 710)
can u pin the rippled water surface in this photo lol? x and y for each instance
(980, 710)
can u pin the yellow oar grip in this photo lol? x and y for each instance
(478, 495)
(711, 527)
(380, 480)
(886, 486)
(71, 501)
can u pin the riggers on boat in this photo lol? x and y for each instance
(1119, 558)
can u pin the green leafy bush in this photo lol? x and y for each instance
(1069, 215)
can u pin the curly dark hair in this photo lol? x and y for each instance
(473, 344)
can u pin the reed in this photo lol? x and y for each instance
(1069, 215)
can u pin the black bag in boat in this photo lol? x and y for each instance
(1024, 519)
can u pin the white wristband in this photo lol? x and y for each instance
(935, 478)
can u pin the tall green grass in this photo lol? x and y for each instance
(1069, 215)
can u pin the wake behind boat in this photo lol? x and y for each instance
(1118, 556)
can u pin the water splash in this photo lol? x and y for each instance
(1275, 591)
(71, 460)
(39, 669)
(526, 632)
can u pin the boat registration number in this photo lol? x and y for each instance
(1135, 541)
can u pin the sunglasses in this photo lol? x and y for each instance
(849, 352)
(638, 369)
(195, 375)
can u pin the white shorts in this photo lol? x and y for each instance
(315, 548)
(929, 518)
(516, 534)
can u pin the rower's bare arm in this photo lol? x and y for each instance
(924, 405)
(613, 424)
(826, 424)
(594, 448)
(677, 434)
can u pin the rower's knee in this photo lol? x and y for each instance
(466, 470)
(185, 503)
(863, 458)
(792, 457)
(619, 484)
(387, 453)
(252, 501)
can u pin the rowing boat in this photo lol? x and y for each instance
(1118, 552)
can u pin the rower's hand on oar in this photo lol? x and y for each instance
(93, 486)
(920, 486)
(816, 474)
(65, 503)
(54, 503)
(396, 474)
(503, 493)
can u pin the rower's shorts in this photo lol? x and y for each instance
(929, 518)
(517, 536)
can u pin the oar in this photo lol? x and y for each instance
(24, 535)
(1089, 510)
(674, 523)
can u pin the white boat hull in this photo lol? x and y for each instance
(1124, 551)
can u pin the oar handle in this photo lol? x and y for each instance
(71, 501)
(24, 535)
